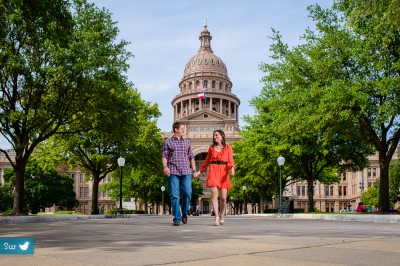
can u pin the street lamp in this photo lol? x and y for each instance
(281, 162)
(232, 206)
(121, 163)
(244, 197)
(163, 206)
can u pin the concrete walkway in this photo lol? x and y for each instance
(370, 218)
(242, 240)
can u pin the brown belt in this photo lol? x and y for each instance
(218, 162)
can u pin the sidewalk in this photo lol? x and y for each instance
(376, 218)
(242, 240)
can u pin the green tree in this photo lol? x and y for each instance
(197, 192)
(143, 177)
(58, 60)
(6, 197)
(291, 113)
(119, 133)
(255, 167)
(362, 56)
(394, 183)
(45, 188)
(370, 198)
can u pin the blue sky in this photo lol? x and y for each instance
(164, 35)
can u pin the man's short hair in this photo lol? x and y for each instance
(176, 125)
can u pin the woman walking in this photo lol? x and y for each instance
(220, 166)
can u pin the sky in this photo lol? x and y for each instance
(163, 35)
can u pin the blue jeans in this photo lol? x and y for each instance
(180, 185)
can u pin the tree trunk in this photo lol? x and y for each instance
(18, 205)
(384, 182)
(310, 193)
(95, 195)
(262, 203)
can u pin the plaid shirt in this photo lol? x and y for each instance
(178, 153)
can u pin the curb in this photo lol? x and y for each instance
(369, 218)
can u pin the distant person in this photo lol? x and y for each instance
(220, 164)
(177, 157)
(361, 208)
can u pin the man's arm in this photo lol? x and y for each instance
(166, 169)
(195, 173)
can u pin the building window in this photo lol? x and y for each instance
(213, 84)
(373, 172)
(81, 178)
(369, 172)
(328, 191)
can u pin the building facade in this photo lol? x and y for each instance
(344, 195)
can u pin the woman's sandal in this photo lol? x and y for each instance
(221, 220)
(216, 222)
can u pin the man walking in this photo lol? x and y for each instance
(177, 157)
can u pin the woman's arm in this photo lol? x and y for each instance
(205, 164)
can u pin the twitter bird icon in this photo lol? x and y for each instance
(16, 245)
(24, 246)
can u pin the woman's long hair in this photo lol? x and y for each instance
(222, 135)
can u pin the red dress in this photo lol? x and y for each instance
(218, 174)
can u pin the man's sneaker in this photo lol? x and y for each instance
(184, 219)
(176, 223)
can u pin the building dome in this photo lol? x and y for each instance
(205, 62)
(205, 101)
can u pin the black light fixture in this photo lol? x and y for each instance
(163, 206)
(281, 162)
(121, 163)
(244, 197)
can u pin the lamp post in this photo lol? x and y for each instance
(121, 163)
(232, 206)
(281, 162)
(163, 206)
(244, 197)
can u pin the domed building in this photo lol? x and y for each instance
(205, 103)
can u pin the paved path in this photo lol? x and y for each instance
(243, 240)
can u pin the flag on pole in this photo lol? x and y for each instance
(201, 96)
(205, 100)
(199, 88)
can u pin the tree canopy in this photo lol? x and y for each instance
(61, 64)
(327, 102)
